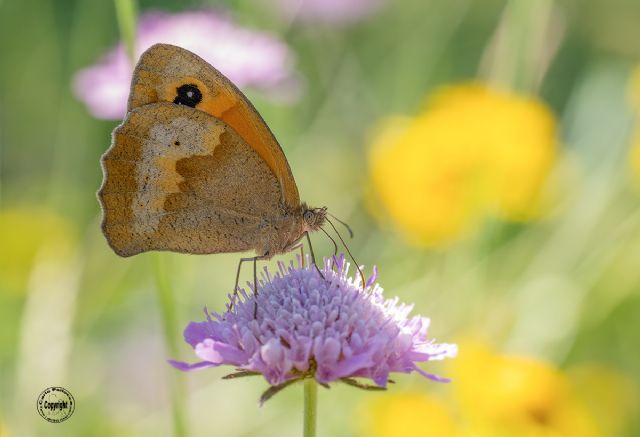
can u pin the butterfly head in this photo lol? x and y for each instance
(314, 217)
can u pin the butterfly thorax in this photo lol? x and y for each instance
(280, 234)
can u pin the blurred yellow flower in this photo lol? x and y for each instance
(611, 397)
(4, 432)
(634, 88)
(509, 395)
(475, 151)
(23, 233)
(405, 414)
(634, 154)
(634, 159)
(500, 395)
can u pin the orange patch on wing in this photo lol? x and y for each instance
(163, 69)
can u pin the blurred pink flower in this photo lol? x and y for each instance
(328, 11)
(247, 57)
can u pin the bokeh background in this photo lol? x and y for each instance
(486, 153)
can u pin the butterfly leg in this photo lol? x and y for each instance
(255, 288)
(255, 276)
(301, 247)
(235, 289)
(313, 257)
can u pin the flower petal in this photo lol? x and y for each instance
(352, 365)
(431, 376)
(219, 353)
(186, 367)
(196, 332)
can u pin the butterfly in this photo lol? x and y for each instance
(193, 168)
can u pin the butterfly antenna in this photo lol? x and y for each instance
(335, 245)
(343, 224)
(349, 252)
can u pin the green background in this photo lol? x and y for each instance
(74, 314)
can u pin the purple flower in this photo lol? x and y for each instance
(328, 11)
(247, 57)
(307, 327)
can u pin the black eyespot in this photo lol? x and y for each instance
(188, 95)
(177, 143)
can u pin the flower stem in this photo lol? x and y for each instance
(127, 15)
(523, 41)
(310, 407)
(167, 311)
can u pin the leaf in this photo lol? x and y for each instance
(275, 389)
(353, 383)
(241, 374)
(324, 384)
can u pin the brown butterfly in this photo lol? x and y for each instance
(193, 168)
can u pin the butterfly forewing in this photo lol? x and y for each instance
(167, 73)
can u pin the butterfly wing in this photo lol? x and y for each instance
(176, 178)
(167, 73)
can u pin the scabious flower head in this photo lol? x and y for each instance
(309, 327)
(474, 152)
(247, 57)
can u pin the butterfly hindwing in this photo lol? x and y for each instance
(179, 179)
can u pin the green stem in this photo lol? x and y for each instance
(522, 44)
(310, 407)
(170, 328)
(127, 15)
(126, 12)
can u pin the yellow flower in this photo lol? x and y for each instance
(634, 153)
(502, 395)
(516, 395)
(4, 432)
(634, 88)
(513, 395)
(23, 233)
(634, 159)
(475, 151)
(609, 396)
(405, 414)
